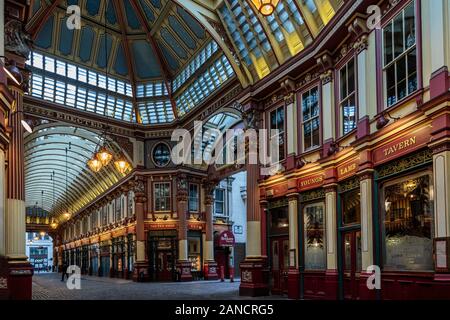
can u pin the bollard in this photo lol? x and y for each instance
(231, 274)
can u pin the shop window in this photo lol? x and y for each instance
(347, 98)
(400, 56)
(193, 198)
(219, 202)
(408, 224)
(351, 205)
(277, 124)
(130, 206)
(315, 249)
(162, 196)
(104, 215)
(194, 254)
(279, 220)
(311, 119)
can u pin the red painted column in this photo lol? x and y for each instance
(20, 270)
(183, 264)
(254, 269)
(140, 272)
(210, 267)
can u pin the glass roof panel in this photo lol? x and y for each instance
(46, 168)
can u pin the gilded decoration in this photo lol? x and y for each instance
(312, 195)
(406, 163)
(278, 203)
(348, 185)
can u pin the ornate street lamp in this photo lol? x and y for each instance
(265, 7)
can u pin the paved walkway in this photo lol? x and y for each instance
(50, 287)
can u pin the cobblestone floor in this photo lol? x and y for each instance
(50, 287)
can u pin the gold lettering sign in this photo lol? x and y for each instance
(348, 169)
(310, 182)
(400, 146)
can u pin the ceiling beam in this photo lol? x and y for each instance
(206, 15)
(118, 5)
(35, 26)
(161, 16)
(159, 58)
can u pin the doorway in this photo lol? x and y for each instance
(162, 254)
(351, 264)
(279, 247)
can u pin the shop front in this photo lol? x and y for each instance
(407, 227)
(195, 253)
(118, 257)
(223, 252)
(105, 259)
(312, 236)
(84, 259)
(162, 255)
(131, 244)
(278, 245)
(93, 259)
(349, 238)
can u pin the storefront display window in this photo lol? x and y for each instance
(351, 205)
(408, 224)
(314, 231)
(194, 254)
(279, 220)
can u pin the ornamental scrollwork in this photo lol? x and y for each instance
(312, 195)
(406, 163)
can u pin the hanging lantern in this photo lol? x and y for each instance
(265, 7)
(53, 225)
(67, 215)
(104, 156)
(122, 164)
(94, 164)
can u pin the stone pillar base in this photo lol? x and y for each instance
(19, 281)
(184, 268)
(254, 277)
(140, 273)
(331, 284)
(210, 270)
(294, 284)
(364, 292)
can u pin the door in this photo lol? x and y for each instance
(164, 266)
(280, 264)
(351, 264)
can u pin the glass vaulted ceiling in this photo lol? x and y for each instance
(45, 168)
(162, 62)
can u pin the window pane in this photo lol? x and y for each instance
(351, 76)
(316, 132)
(307, 135)
(412, 71)
(343, 82)
(351, 207)
(388, 44)
(390, 85)
(401, 78)
(410, 28)
(408, 222)
(315, 252)
(398, 36)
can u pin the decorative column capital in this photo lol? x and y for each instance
(292, 196)
(325, 62)
(358, 27)
(366, 174)
(139, 189)
(329, 188)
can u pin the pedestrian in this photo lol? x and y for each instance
(64, 272)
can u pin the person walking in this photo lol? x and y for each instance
(64, 272)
